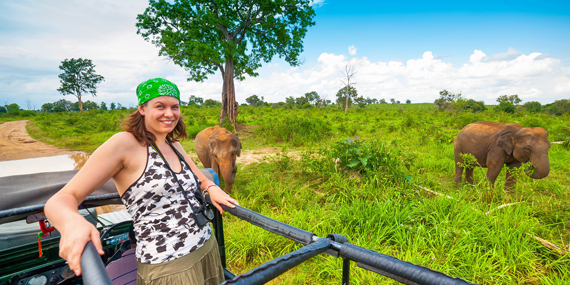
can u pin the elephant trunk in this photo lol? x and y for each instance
(541, 167)
(228, 172)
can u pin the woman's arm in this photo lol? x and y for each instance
(217, 195)
(62, 208)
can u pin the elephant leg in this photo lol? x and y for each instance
(493, 172)
(469, 175)
(495, 162)
(458, 174)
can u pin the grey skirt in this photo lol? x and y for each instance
(202, 266)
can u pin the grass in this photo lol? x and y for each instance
(376, 202)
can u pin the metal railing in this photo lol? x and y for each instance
(334, 245)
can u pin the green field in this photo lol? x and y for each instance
(374, 195)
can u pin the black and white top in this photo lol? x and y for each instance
(163, 222)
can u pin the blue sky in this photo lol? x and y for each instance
(404, 29)
(401, 49)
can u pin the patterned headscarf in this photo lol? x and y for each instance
(156, 87)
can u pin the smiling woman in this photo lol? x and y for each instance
(162, 189)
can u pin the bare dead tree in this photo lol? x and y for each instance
(348, 73)
(29, 103)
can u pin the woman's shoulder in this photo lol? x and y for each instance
(123, 140)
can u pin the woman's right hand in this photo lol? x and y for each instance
(73, 240)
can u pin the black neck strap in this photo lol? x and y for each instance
(197, 193)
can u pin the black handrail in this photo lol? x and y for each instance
(92, 268)
(271, 269)
(391, 267)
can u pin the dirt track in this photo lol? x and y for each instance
(16, 143)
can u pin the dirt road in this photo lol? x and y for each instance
(16, 143)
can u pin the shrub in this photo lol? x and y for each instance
(374, 161)
(295, 130)
(506, 106)
(444, 136)
(465, 119)
(27, 113)
(558, 107)
(532, 121)
(474, 106)
(533, 107)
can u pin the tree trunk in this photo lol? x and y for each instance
(229, 105)
(80, 103)
(346, 105)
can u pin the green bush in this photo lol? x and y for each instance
(27, 113)
(295, 130)
(533, 107)
(465, 119)
(374, 161)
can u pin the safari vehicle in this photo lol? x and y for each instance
(29, 253)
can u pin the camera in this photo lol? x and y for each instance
(203, 215)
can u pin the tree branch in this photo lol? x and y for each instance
(261, 34)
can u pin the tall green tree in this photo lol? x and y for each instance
(232, 37)
(341, 99)
(254, 100)
(195, 100)
(78, 78)
(446, 100)
(558, 107)
(533, 106)
(513, 99)
(312, 97)
(290, 101)
(62, 105)
(300, 101)
(13, 107)
(90, 105)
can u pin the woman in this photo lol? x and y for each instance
(172, 248)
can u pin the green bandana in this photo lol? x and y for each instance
(156, 87)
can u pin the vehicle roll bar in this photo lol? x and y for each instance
(338, 246)
(269, 270)
(92, 269)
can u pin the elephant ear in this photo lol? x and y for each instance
(212, 145)
(505, 142)
(238, 150)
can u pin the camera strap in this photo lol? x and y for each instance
(197, 193)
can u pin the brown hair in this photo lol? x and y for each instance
(134, 124)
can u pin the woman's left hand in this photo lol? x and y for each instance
(219, 197)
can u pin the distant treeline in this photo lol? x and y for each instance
(448, 102)
(451, 102)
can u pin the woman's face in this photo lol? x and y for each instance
(161, 114)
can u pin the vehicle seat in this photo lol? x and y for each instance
(121, 248)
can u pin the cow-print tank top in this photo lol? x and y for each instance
(163, 222)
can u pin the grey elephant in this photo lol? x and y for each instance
(217, 148)
(497, 144)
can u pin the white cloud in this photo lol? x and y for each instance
(531, 77)
(505, 56)
(317, 3)
(352, 50)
